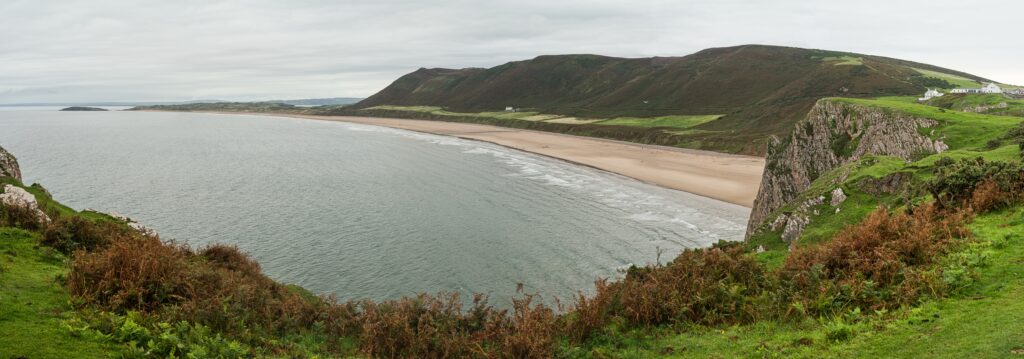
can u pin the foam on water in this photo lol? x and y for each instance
(637, 202)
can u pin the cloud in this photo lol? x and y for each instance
(57, 51)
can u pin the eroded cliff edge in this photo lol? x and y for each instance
(9, 165)
(832, 134)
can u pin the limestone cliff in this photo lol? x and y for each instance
(832, 134)
(9, 165)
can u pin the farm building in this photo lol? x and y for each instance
(930, 94)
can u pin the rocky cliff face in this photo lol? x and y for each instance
(9, 165)
(833, 133)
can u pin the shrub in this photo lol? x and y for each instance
(436, 327)
(20, 217)
(220, 287)
(68, 234)
(705, 286)
(143, 339)
(131, 274)
(230, 258)
(880, 263)
(955, 182)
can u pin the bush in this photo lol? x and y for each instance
(131, 274)
(706, 286)
(68, 234)
(955, 182)
(230, 258)
(220, 287)
(880, 263)
(436, 327)
(158, 340)
(20, 217)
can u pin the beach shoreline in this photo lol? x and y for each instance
(725, 177)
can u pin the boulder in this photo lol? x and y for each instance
(15, 196)
(135, 224)
(838, 197)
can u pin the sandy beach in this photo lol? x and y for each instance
(730, 178)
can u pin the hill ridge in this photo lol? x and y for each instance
(761, 90)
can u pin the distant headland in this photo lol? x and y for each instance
(83, 108)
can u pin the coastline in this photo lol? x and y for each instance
(725, 177)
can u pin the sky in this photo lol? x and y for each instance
(97, 50)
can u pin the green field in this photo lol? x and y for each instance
(844, 60)
(957, 81)
(34, 304)
(673, 122)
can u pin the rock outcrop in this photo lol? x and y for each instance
(141, 228)
(832, 134)
(9, 165)
(838, 197)
(15, 196)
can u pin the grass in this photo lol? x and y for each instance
(681, 122)
(34, 304)
(985, 322)
(996, 104)
(844, 60)
(957, 129)
(506, 115)
(955, 80)
(675, 122)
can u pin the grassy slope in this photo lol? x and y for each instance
(985, 322)
(33, 304)
(956, 81)
(959, 102)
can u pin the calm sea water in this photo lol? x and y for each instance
(363, 211)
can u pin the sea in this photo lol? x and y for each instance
(360, 211)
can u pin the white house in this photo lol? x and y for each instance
(991, 88)
(510, 109)
(988, 88)
(930, 94)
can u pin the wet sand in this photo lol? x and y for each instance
(730, 178)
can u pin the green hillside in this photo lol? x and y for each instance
(758, 90)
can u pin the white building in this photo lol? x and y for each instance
(991, 88)
(930, 94)
(510, 109)
(988, 88)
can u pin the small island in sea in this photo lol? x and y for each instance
(83, 108)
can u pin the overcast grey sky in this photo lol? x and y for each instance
(60, 51)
